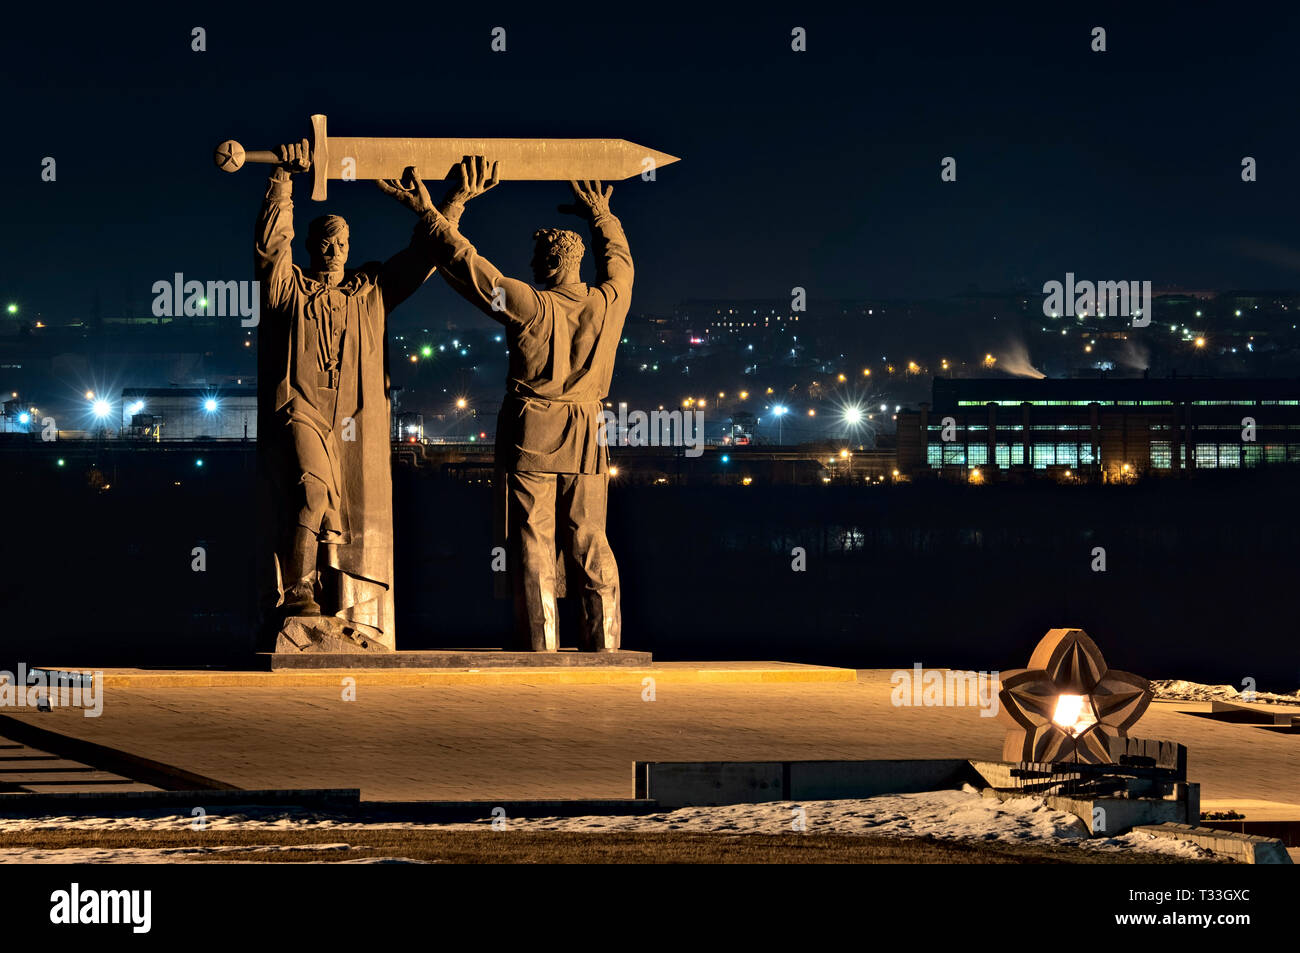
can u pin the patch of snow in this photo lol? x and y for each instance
(1181, 690)
(945, 815)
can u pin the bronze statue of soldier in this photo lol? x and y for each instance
(324, 417)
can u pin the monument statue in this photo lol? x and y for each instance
(323, 417)
(323, 394)
(551, 456)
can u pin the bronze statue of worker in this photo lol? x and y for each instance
(551, 456)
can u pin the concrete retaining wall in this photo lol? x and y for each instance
(675, 784)
(1243, 848)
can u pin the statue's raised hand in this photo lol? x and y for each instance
(474, 176)
(590, 199)
(295, 156)
(410, 191)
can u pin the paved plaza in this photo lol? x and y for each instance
(532, 739)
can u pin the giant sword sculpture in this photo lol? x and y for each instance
(361, 158)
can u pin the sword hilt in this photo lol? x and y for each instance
(230, 156)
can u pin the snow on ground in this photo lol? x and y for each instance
(1180, 690)
(175, 855)
(947, 815)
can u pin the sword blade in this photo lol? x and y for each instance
(520, 159)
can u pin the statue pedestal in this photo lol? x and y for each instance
(455, 659)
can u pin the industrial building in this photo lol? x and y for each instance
(189, 413)
(1105, 428)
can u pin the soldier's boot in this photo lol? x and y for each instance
(536, 618)
(300, 565)
(602, 624)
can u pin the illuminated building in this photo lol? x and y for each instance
(1082, 428)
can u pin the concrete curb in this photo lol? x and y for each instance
(1243, 848)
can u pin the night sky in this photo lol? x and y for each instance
(818, 169)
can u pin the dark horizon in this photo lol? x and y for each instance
(817, 169)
